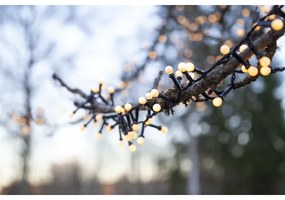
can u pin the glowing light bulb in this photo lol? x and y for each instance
(264, 61)
(71, 114)
(82, 128)
(133, 134)
(190, 67)
(121, 143)
(243, 69)
(164, 130)
(98, 136)
(132, 148)
(252, 71)
(128, 107)
(265, 71)
(217, 102)
(182, 66)
(140, 140)
(109, 128)
(148, 96)
(243, 47)
(111, 90)
(135, 127)
(156, 107)
(96, 90)
(225, 49)
(128, 137)
(148, 121)
(276, 24)
(99, 117)
(142, 100)
(154, 92)
(168, 70)
(119, 109)
(178, 73)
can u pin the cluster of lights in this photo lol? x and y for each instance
(126, 117)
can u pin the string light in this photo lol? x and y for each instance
(133, 134)
(111, 90)
(252, 71)
(225, 49)
(98, 136)
(121, 143)
(109, 128)
(164, 130)
(142, 100)
(132, 148)
(140, 140)
(190, 67)
(128, 137)
(99, 117)
(156, 107)
(182, 67)
(128, 117)
(154, 93)
(128, 107)
(217, 101)
(82, 128)
(148, 121)
(277, 24)
(71, 114)
(264, 61)
(178, 73)
(168, 70)
(135, 127)
(148, 96)
(243, 69)
(243, 47)
(119, 109)
(265, 71)
(96, 90)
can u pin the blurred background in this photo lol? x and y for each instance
(236, 149)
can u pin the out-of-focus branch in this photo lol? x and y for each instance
(72, 90)
(157, 80)
(134, 74)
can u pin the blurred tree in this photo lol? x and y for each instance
(29, 45)
(246, 141)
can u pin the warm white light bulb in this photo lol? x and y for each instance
(156, 107)
(154, 92)
(128, 107)
(265, 71)
(225, 49)
(142, 100)
(264, 61)
(135, 127)
(168, 70)
(277, 24)
(217, 102)
(190, 67)
(182, 66)
(132, 148)
(111, 90)
(252, 71)
(164, 130)
(140, 140)
(148, 95)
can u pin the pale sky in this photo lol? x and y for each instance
(115, 40)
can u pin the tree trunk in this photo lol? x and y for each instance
(193, 183)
